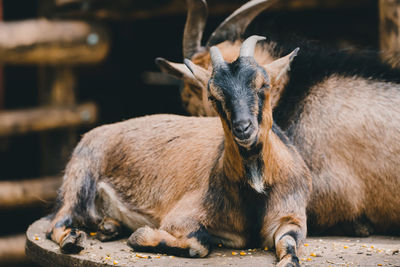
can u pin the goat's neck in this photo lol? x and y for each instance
(255, 165)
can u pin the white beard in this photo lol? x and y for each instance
(256, 179)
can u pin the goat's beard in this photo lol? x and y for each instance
(258, 184)
(256, 178)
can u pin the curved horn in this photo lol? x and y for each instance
(194, 27)
(234, 26)
(248, 46)
(216, 57)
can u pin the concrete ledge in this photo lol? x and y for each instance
(318, 251)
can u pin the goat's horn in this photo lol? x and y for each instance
(234, 26)
(194, 27)
(216, 57)
(248, 46)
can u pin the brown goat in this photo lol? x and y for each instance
(183, 184)
(340, 110)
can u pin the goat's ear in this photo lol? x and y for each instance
(177, 70)
(279, 68)
(201, 74)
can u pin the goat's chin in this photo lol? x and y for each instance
(248, 142)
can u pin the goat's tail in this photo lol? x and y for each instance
(75, 207)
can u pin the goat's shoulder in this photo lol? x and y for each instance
(286, 164)
(161, 126)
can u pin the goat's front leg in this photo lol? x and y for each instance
(285, 232)
(287, 240)
(180, 232)
(194, 244)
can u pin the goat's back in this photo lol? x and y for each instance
(349, 135)
(153, 160)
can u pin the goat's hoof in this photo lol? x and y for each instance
(198, 253)
(73, 242)
(289, 261)
(104, 237)
(108, 229)
(138, 237)
(362, 232)
(363, 229)
(197, 249)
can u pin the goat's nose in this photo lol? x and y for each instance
(241, 128)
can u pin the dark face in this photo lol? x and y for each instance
(237, 93)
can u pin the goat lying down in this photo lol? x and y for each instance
(341, 111)
(182, 184)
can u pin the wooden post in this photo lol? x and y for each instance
(3, 141)
(389, 15)
(1, 67)
(12, 250)
(56, 88)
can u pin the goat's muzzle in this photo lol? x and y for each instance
(244, 132)
(242, 129)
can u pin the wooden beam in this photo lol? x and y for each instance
(46, 118)
(43, 41)
(26, 193)
(12, 249)
(146, 9)
(2, 91)
(389, 30)
(3, 141)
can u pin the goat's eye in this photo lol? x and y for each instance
(211, 98)
(262, 90)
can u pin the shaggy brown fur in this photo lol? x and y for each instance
(349, 135)
(182, 184)
(342, 112)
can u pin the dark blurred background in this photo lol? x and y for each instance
(122, 85)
